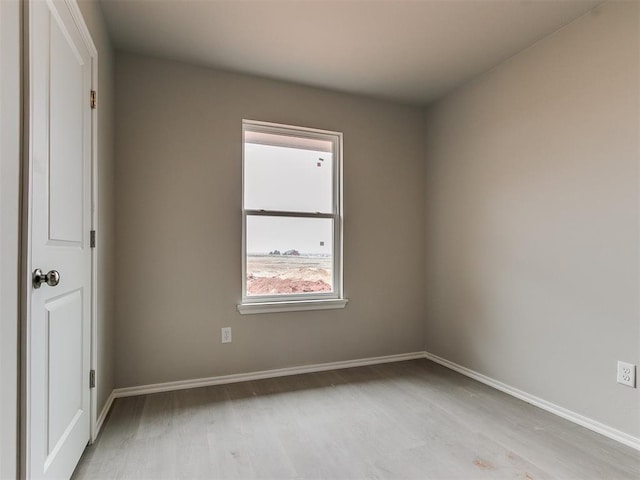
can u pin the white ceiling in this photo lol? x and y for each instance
(408, 50)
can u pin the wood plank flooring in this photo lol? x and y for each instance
(411, 419)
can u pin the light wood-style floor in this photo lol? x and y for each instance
(411, 419)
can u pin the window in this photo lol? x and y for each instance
(292, 219)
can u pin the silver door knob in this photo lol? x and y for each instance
(52, 278)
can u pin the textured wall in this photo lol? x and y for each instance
(178, 183)
(532, 219)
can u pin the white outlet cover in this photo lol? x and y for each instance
(225, 335)
(626, 374)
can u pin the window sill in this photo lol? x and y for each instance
(295, 306)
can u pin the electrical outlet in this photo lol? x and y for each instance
(226, 334)
(627, 374)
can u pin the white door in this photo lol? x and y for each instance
(58, 316)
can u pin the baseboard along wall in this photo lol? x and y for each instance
(570, 415)
(246, 377)
(574, 417)
(103, 414)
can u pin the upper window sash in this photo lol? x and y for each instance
(311, 158)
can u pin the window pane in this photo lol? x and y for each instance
(289, 255)
(287, 173)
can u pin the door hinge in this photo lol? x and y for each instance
(92, 379)
(94, 100)
(92, 239)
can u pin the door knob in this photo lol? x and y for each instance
(52, 278)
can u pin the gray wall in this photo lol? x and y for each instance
(105, 241)
(10, 91)
(178, 217)
(532, 219)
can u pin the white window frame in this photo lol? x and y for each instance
(298, 301)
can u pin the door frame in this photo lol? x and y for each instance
(25, 246)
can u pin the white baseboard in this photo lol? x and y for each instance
(245, 377)
(104, 412)
(574, 417)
